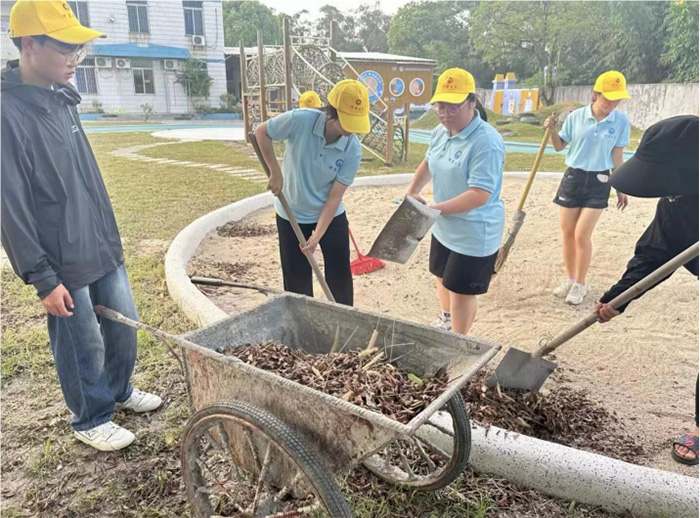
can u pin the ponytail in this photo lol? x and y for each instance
(479, 107)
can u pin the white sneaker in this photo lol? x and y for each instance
(563, 289)
(140, 402)
(575, 296)
(443, 322)
(106, 437)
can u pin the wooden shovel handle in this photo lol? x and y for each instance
(292, 220)
(637, 289)
(535, 166)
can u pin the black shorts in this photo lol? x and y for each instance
(463, 274)
(579, 188)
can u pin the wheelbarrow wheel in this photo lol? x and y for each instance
(241, 461)
(418, 461)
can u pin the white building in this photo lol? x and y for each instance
(147, 42)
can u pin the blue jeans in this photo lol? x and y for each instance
(95, 357)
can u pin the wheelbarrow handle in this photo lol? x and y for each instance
(630, 293)
(292, 220)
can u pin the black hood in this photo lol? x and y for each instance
(11, 83)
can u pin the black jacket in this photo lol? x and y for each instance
(675, 228)
(57, 221)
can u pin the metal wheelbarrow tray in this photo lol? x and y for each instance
(264, 423)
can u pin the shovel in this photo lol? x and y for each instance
(519, 216)
(529, 371)
(295, 226)
(405, 229)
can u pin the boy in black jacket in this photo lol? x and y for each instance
(58, 227)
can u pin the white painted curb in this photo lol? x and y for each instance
(547, 467)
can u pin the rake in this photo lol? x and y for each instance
(363, 264)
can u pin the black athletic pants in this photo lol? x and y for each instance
(335, 246)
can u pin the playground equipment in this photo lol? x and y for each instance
(305, 63)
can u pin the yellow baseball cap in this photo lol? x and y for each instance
(351, 100)
(49, 18)
(454, 85)
(613, 85)
(309, 99)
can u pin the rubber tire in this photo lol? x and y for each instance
(460, 459)
(285, 438)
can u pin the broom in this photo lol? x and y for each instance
(519, 216)
(363, 264)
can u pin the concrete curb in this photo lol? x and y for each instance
(550, 468)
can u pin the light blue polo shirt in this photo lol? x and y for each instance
(310, 165)
(591, 142)
(472, 158)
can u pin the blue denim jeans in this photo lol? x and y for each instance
(95, 357)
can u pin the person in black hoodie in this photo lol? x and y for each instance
(58, 226)
(665, 166)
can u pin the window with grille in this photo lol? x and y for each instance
(85, 78)
(194, 23)
(80, 10)
(143, 76)
(138, 15)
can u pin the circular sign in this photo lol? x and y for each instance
(397, 87)
(417, 87)
(375, 84)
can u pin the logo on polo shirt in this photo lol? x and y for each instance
(339, 163)
(456, 158)
(611, 131)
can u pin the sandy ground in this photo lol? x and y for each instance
(642, 366)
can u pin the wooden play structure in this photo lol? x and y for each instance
(304, 63)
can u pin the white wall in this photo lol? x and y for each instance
(649, 103)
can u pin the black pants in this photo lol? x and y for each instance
(335, 246)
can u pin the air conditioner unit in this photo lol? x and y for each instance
(169, 64)
(123, 63)
(102, 62)
(198, 41)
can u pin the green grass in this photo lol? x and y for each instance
(233, 154)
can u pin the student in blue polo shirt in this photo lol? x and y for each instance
(321, 157)
(465, 161)
(596, 135)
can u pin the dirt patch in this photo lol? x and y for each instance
(219, 269)
(236, 229)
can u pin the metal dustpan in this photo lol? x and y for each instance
(405, 229)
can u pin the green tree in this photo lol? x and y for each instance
(195, 79)
(242, 19)
(345, 39)
(372, 27)
(681, 51)
(535, 39)
(439, 31)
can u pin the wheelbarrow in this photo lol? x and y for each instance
(259, 445)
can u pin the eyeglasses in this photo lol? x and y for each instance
(443, 109)
(76, 55)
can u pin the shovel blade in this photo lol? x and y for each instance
(520, 370)
(400, 236)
